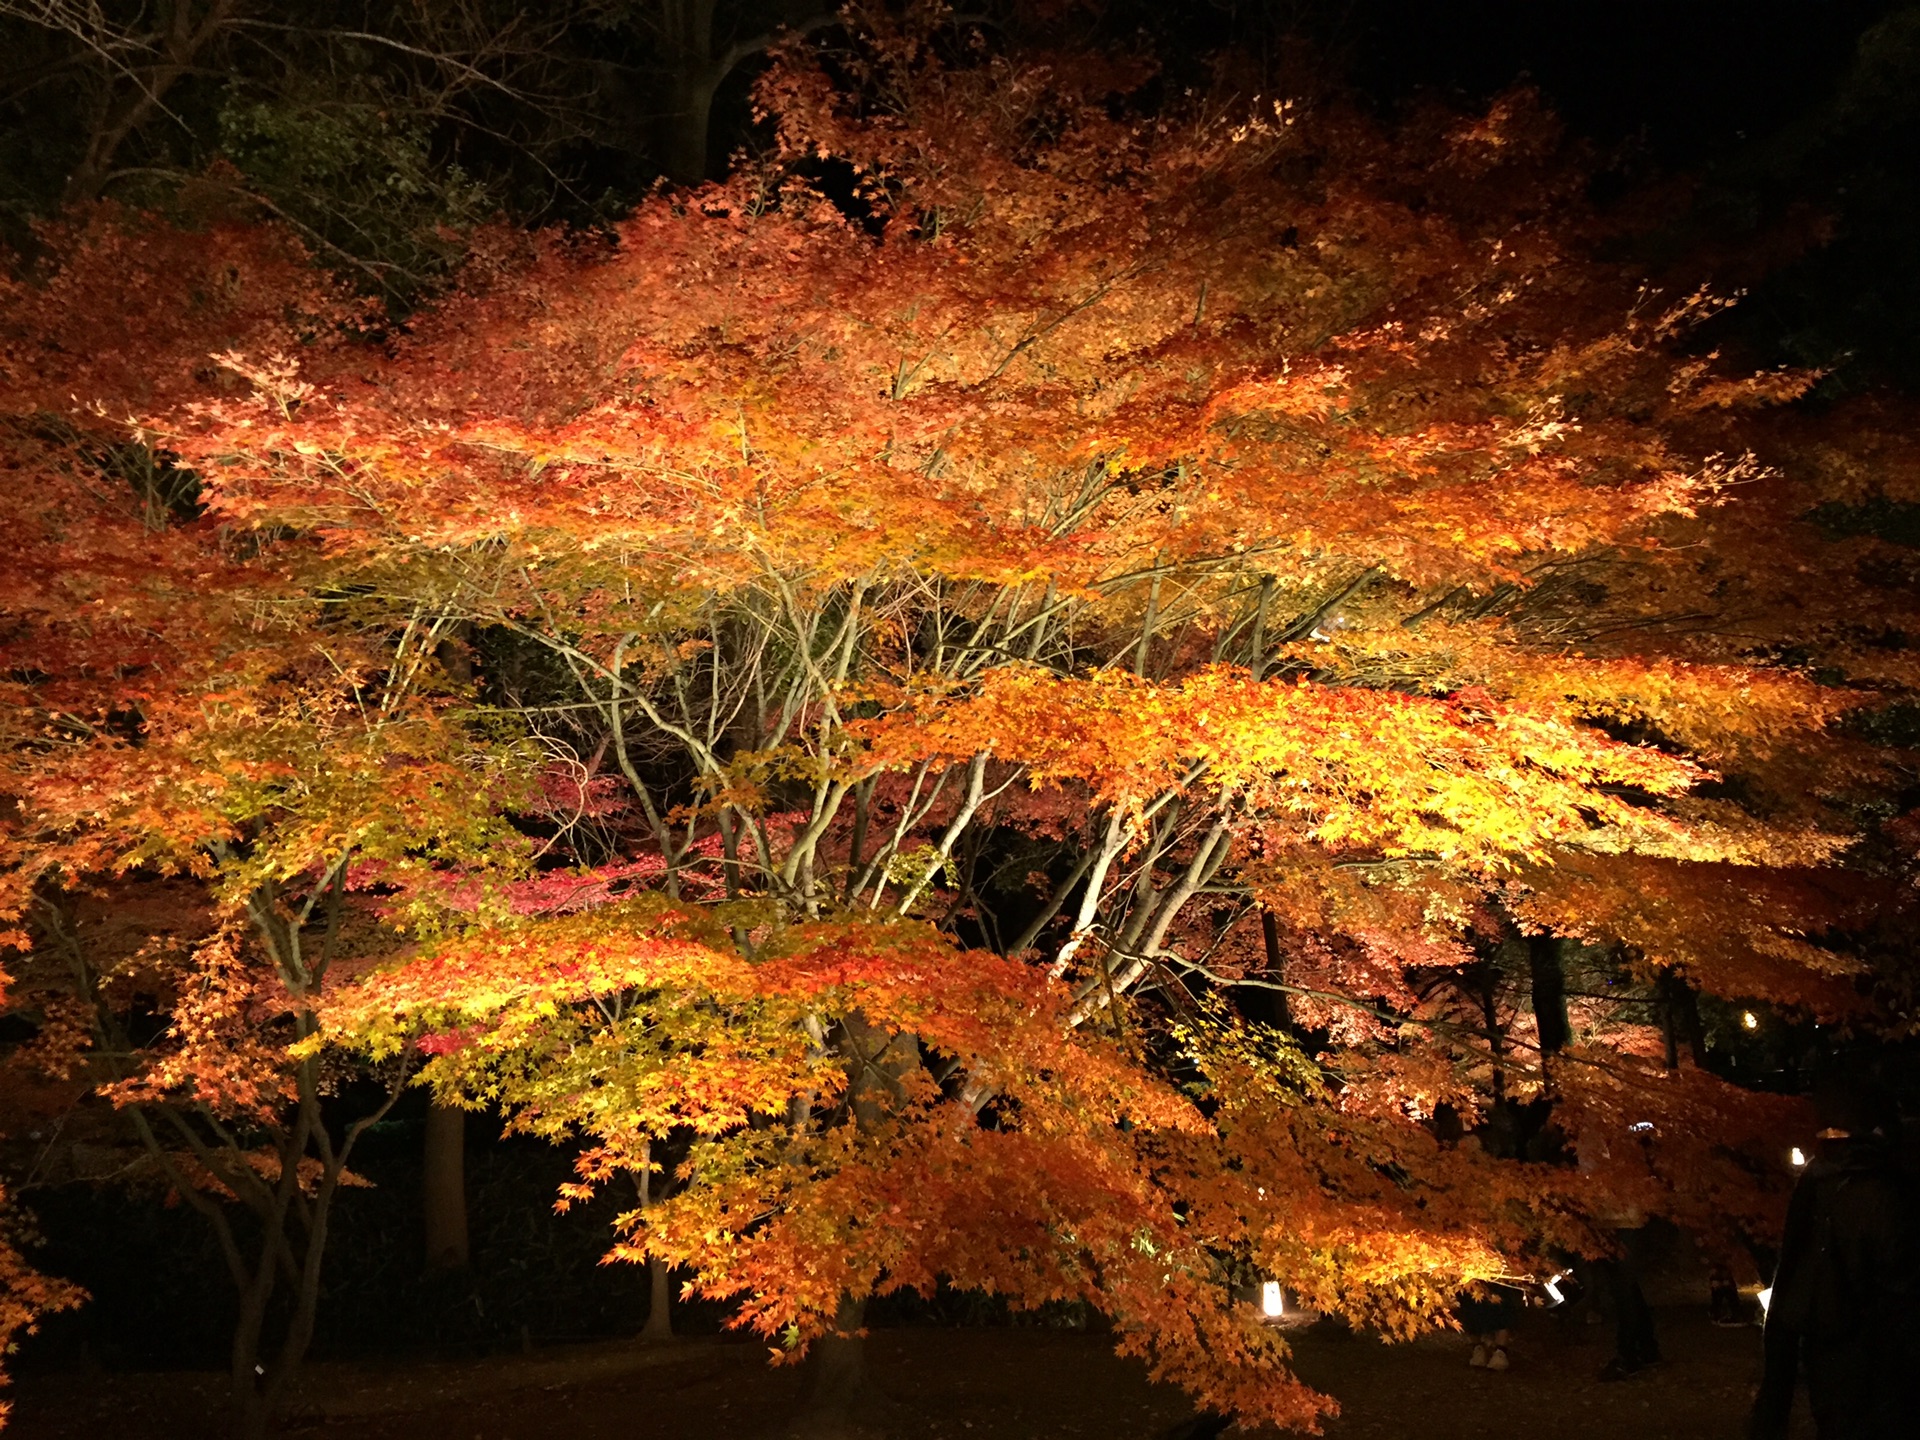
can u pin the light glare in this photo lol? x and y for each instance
(1271, 1305)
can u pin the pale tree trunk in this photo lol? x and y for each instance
(444, 1190)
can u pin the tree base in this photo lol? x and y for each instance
(871, 1416)
(844, 1405)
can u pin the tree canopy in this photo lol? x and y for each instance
(1075, 695)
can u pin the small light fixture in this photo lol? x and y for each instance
(1798, 1157)
(1749, 1019)
(1552, 1287)
(1272, 1304)
(1766, 1299)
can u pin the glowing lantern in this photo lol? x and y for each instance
(1271, 1304)
(1749, 1019)
(1798, 1157)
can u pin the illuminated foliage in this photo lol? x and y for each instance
(199, 746)
(867, 693)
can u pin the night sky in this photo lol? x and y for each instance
(1776, 110)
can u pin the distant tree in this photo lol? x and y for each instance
(687, 49)
(381, 133)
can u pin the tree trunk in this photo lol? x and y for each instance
(686, 33)
(445, 1189)
(247, 1416)
(659, 1324)
(840, 1360)
(250, 1396)
(1279, 1012)
(1487, 992)
(840, 1404)
(1549, 993)
(684, 144)
(1680, 1020)
(170, 61)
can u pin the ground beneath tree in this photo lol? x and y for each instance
(989, 1384)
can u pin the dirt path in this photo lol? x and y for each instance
(960, 1384)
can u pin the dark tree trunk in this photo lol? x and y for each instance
(444, 1189)
(1279, 1013)
(1669, 1022)
(841, 1404)
(248, 1407)
(1680, 1020)
(1486, 983)
(1549, 993)
(696, 62)
(692, 72)
(293, 1246)
(684, 139)
(840, 1361)
(659, 1326)
(149, 79)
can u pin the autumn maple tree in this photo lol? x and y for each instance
(198, 753)
(1036, 693)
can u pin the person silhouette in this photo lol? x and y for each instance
(1842, 1307)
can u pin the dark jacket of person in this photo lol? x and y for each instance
(1844, 1297)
